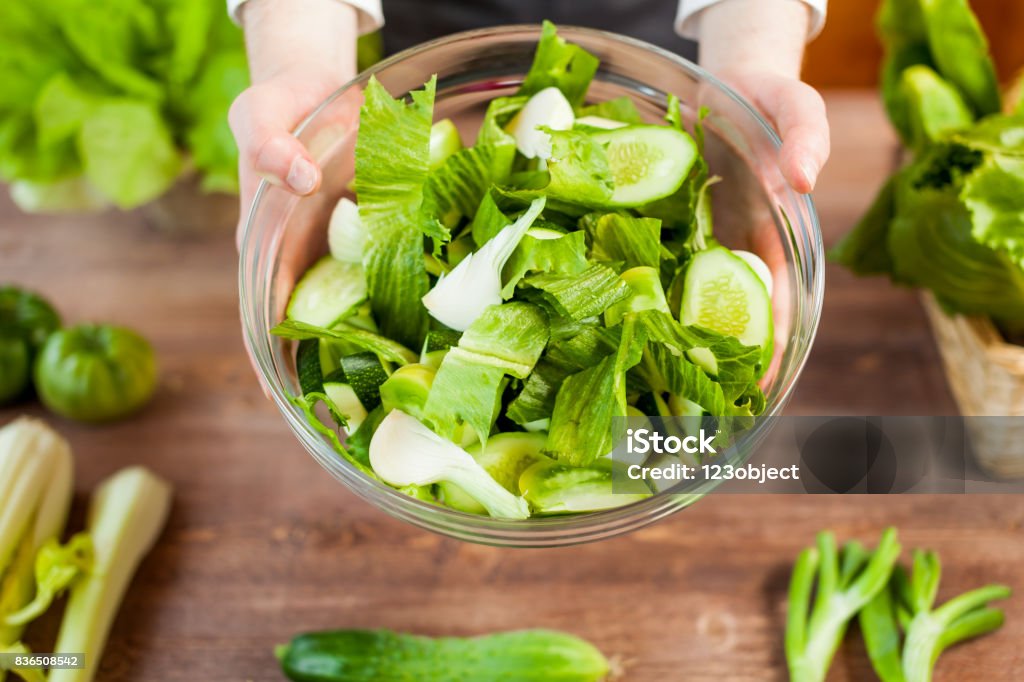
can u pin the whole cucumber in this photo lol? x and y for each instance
(385, 656)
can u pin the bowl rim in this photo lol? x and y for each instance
(534, 531)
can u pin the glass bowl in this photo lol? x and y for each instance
(754, 209)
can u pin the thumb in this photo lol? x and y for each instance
(261, 126)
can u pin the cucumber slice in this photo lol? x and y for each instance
(347, 403)
(458, 499)
(307, 366)
(436, 346)
(329, 291)
(444, 141)
(407, 389)
(724, 294)
(365, 373)
(554, 488)
(346, 236)
(647, 162)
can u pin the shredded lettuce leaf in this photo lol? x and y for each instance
(392, 164)
(559, 64)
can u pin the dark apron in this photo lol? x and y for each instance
(408, 22)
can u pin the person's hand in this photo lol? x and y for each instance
(797, 112)
(756, 46)
(299, 53)
(262, 119)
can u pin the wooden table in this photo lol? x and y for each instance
(263, 544)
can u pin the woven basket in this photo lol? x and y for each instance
(986, 375)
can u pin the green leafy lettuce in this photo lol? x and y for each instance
(951, 220)
(108, 102)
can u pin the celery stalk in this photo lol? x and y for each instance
(35, 492)
(126, 515)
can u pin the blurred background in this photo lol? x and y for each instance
(848, 55)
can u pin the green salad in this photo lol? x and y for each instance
(486, 311)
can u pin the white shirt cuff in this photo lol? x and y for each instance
(688, 17)
(371, 16)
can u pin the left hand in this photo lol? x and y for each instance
(797, 112)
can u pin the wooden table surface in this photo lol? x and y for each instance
(262, 544)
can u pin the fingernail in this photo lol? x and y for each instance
(810, 173)
(301, 176)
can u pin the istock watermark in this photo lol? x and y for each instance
(808, 455)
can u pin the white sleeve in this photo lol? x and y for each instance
(688, 17)
(371, 17)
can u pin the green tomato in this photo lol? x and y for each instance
(27, 315)
(95, 373)
(14, 367)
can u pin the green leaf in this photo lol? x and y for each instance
(581, 422)
(579, 169)
(499, 112)
(465, 390)
(932, 245)
(188, 23)
(60, 110)
(934, 107)
(621, 109)
(994, 195)
(392, 161)
(563, 255)
(456, 188)
(559, 64)
(506, 339)
(865, 250)
(735, 367)
(510, 336)
(128, 152)
(56, 567)
(307, 403)
(488, 220)
(384, 348)
(961, 54)
(537, 398)
(619, 237)
(584, 295)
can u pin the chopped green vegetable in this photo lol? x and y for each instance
(126, 515)
(404, 452)
(105, 101)
(475, 284)
(929, 630)
(846, 582)
(947, 221)
(384, 656)
(540, 272)
(392, 163)
(35, 493)
(329, 292)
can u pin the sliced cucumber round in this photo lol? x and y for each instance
(724, 294)
(329, 291)
(647, 162)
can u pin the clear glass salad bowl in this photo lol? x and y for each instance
(754, 210)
